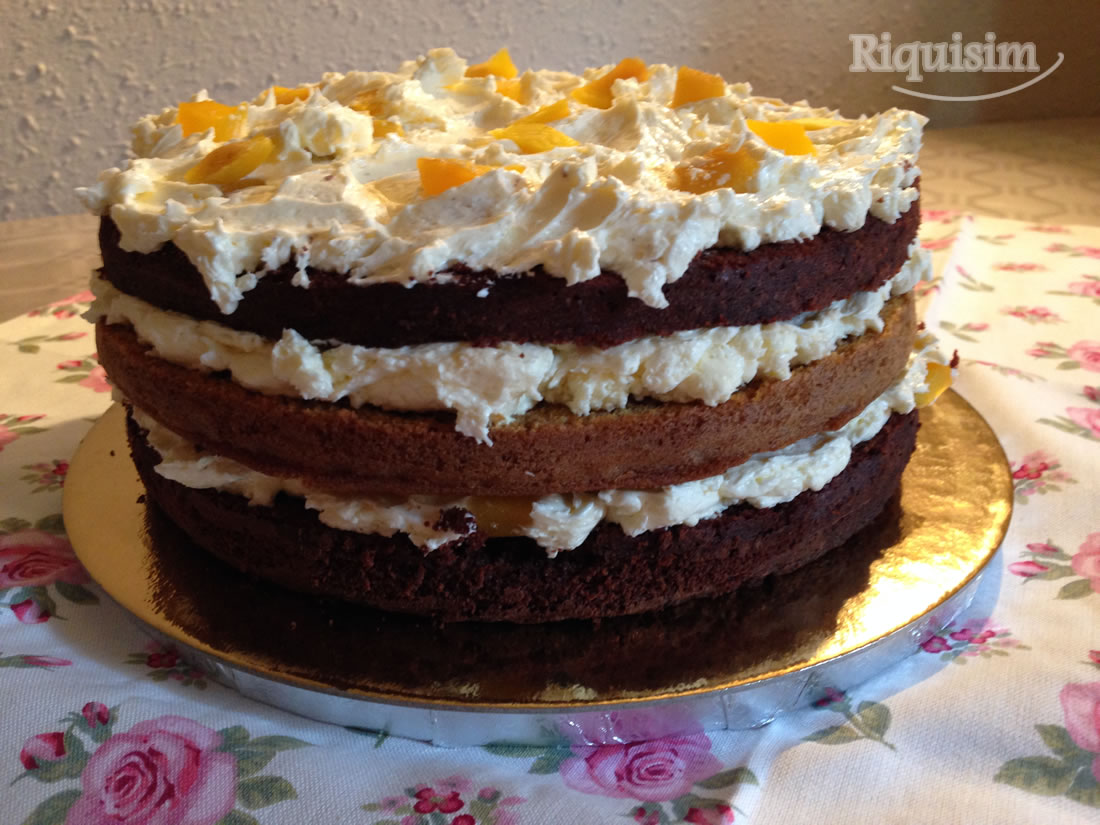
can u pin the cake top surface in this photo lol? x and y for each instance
(398, 176)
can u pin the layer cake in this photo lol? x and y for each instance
(476, 344)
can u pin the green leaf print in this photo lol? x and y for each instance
(550, 761)
(834, 735)
(1058, 740)
(1043, 775)
(1077, 589)
(54, 810)
(726, 779)
(261, 791)
(874, 717)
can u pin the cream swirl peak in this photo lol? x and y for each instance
(334, 175)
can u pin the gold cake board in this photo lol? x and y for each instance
(728, 663)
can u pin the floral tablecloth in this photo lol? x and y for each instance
(993, 719)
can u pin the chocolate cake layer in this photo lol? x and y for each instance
(511, 579)
(547, 450)
(722, 287)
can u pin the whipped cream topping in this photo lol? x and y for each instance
(337, 196)
(563, 521)
(490, 385)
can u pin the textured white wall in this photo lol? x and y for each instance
(77, 74)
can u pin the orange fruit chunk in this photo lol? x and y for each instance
(717, 169)
(532, 138)
(499, 65)
(938, 379)
(369, 101)
(812, 123)
(692, 85)
(229, 163)
(598, 93)
(787, 136)
(555, 111)
(283, 95)
(200, 115)
(437, 175)
(511, 88)
(387, 127)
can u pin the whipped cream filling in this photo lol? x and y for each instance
(563, 521)
(490, 385)
(339, 197)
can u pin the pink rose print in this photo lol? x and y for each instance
(1086, 561)
(43, 747)
(718, 815)
(1087, 418)
(1033, 315)
(1027, 568)
(657, 771)
(443, 798)
(33, 557)
(936, 244)
(1074, 251)
(1087, 354)
(459, 784)
(96, 380)
(96, 714)
(1041, 547)
(13, 426)
(1091, 393)
(1081, 708)
(1038, 472)
(85, 372)
(45, 661)
(166, 771)
(1019, 267)
(1089, 289)
(939, 215)
(936, 644)
(30, 612)
(429, 799)
(976, 638)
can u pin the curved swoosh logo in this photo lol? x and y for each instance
(990, 96)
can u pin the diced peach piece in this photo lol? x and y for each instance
(717, 169)
(598, 93)
(370, 101)
(511, 88)
(787, 136)
(283, 95)
(812, 123)
(437, 175)
(693, 85)
(387, 127)
(532, 138)
(547, 114)
(501, 515)
(200, 115)
(229, 163)
(938, 379)
(499, 65)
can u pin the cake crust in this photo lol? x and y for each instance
(511, 579)
(722, 287)
(547, 450)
